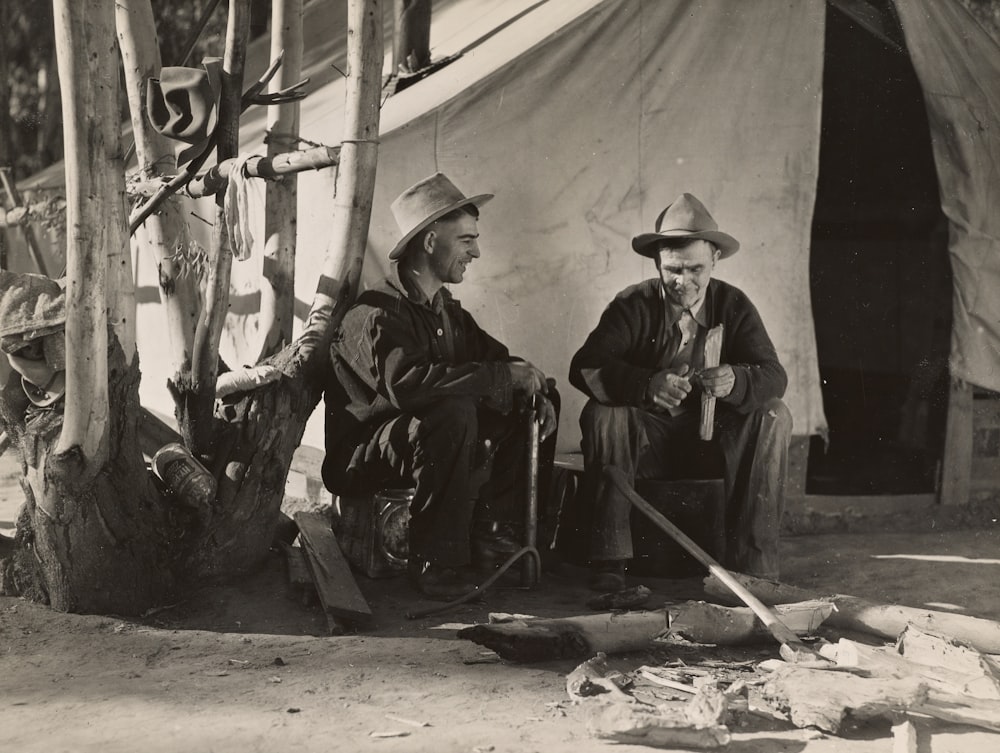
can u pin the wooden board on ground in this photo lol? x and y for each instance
(338, 592)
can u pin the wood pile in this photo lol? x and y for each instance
(921, 678)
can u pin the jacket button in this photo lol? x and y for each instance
(440, 332)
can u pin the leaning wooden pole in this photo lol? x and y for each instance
(165, 232)
(352, 204)
(277, 301)
(88, 74)
(198, 426)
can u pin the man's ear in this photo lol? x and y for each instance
(429, 237)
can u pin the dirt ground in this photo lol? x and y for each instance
(247, 667)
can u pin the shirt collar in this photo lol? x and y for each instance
(402, 279)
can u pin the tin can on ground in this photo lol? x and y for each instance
(184, 475)
(373, 531)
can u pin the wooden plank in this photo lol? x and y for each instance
(956, 463)
(338, 592)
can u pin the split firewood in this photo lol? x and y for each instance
(925, 647)
(701, 622)
(697, 724)
(569, 637)
(792, 690)
(904, 736)
(824, 699)
(713, 351)
(883, 620)
(880, 661)
(594, 677)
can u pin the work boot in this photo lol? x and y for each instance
(492, 544)
(607, 576)
(437, 582)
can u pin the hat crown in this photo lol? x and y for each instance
(425, 199)
(424, 202)
(686, 213)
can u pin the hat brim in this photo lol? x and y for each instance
(400, 246)
(646, 244)
(45, 396)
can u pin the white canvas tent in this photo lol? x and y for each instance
(586, 117)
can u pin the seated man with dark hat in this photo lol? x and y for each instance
(423, 397)
(643, 368)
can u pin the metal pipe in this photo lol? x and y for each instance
(530, 570)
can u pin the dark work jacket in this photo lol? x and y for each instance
(623, 352)
(396, 352)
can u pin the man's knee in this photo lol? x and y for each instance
(458, 414)
(777, 417)
(597, 417)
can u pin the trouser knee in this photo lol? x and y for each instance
(777, 417)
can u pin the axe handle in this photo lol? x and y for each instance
(781, 632)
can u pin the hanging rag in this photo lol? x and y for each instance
(237, 210)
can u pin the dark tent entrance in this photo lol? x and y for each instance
(879, 270)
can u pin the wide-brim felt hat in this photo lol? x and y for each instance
(426, 201)
(183, 104)
(685, 218)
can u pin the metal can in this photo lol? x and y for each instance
(184, 475)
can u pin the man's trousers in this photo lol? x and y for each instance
(752, 448)
(465, 463)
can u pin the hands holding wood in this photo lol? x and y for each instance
(717, 381)
(669, 387)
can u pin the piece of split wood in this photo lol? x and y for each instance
(627, 724)
(701, 622)
(904, 737)
(396, 733)
(404, 720)
(885, 662)
(650, 674)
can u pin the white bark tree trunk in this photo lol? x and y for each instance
(277, 301)
(166, 230)
(95, 195)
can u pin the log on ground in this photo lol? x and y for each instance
(883, 620)
(569, 637)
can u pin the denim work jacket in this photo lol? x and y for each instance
(396, 352)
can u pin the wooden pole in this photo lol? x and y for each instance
(277, 300)
(205, 361)
(28, 231)
(216, 178)
(95, 182)
(352, 203)
(164, 231)
(956, 463)
(411, 49)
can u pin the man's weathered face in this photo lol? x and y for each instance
(453, 245)
(685, 271)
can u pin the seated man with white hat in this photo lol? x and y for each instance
(423, 397)
(643, 368)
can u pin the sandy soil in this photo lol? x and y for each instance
(247, 667)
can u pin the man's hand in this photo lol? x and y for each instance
(547, 417)
(717, 381)
(669, 387)
(527, 379)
